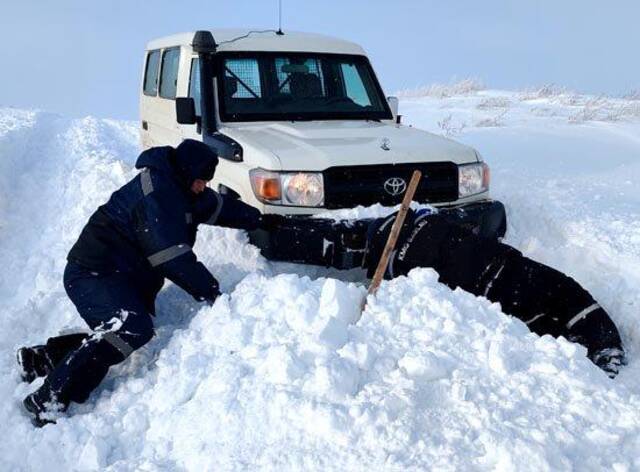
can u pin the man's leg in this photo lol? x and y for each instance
(82, 370)
(112, 306)
(550, 302)
(38, 361)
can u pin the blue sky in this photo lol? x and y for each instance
(85, 57)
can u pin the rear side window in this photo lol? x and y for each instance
(151, 73)
(194, 84)
(169, 74)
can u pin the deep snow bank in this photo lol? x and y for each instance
(567, 168)
(277, 376)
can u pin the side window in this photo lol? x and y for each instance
(151, 73)
(194, 84)
(353, 85)
(242, 78)
(169, 74)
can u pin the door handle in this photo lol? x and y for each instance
(145, 125)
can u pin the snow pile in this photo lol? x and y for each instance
(278, 374)
(570, 188)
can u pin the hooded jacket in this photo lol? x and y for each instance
(148, 227)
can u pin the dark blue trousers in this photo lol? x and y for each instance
(118, 308)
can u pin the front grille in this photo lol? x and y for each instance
(347, 187)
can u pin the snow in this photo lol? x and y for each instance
(282, 373)
(373, 211)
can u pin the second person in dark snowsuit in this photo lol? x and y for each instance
(546, 300)
(142, 235)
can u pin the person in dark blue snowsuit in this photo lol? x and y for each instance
(142, 235)
(546, 300)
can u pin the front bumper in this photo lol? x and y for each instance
(341, 244)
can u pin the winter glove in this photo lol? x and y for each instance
(213, 296)
(610, 360)
(270, 221)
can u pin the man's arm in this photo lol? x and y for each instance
(223, 210)
(183, 269)
(162, 233)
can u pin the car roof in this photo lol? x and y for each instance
(247, 40)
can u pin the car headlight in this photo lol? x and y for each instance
(304, 189)
(473, 179)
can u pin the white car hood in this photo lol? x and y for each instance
(318, 145)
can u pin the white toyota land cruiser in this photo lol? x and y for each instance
(301, 125)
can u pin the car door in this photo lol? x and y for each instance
(158, 109)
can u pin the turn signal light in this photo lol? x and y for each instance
(486, 176)
(266, 185)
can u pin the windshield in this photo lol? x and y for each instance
(297, 86)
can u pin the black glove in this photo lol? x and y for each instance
(212, 295)
(610, 360)
(270, 221)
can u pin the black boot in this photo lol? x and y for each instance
(43, 406)
(38, 361)
(33, 362)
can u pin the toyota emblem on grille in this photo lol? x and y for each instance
(395, 186)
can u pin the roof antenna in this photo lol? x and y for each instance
(279, 32)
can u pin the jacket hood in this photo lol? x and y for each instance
(159, 158)
(195, 160)
(191, 160)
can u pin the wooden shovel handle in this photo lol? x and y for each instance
(395, 232)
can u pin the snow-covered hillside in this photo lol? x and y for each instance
(277, 375)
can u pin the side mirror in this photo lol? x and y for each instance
(394, 105)
(186, 111)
